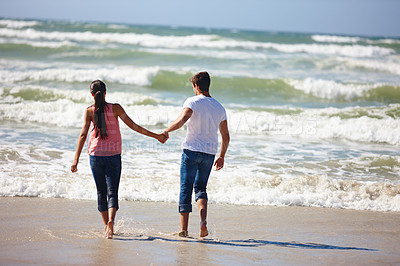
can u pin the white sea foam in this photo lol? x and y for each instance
(44, 112)
(303, 190)
(321, 124)
(121, 74)
(80, 96)
(331, 49)
(329, 89)
(17, 24)
(53, 44)
(349, 39)
(207, 53)
(117, 26)
(388, 66)
(65, 108)
(365, 129)
(335, 39)
(23, 65)
(44, 172)
(382, 167)
(147, 40)
(206, 41)
(385, 41)
(66, 113)
(365, 124)
(32, 171)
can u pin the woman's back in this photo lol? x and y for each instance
(112, 144)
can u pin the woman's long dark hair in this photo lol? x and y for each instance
(98, 88)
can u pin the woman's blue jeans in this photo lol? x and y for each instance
(195, 170)
(107, 173)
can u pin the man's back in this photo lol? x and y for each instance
(202, 132)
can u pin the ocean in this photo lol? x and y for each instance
(314, 119)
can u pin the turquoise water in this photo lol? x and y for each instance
(314, 119)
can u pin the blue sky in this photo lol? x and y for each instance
(353, 17)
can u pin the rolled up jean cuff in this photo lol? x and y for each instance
(102, 207)
(200, 195)
(112, 203)
(185, 208)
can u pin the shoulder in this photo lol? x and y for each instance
(116, 106)
(117, 109)
(215, 101)
(190, 102)
(89, 113)
(89, 110)
(218, 103)
(219, 109)
(192, 99)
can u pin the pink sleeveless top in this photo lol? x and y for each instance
(112, 144)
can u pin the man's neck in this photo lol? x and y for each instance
(204, 93)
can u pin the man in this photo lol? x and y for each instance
(205, 116)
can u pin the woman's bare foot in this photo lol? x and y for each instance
(183, 233)
(105, 230)
(109, 230)
(203, 229)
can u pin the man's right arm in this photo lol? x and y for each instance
(223, 129)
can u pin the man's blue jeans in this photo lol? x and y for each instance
(107, 173)
(195, 170)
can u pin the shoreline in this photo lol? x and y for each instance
(63, 231)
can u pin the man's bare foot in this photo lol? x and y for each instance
(203, 229)
(109, 230)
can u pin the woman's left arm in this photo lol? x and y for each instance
(132, 125)
(81, 140)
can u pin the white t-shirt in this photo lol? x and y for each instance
(202, 126)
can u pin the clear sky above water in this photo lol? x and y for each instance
(349, 17)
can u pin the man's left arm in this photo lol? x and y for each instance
(223, 129)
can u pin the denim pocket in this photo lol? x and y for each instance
(189, 157)
(209, 158)
(92, 162)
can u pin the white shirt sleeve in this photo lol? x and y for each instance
(224, 117)
(188, 103)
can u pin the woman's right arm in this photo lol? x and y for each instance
(81, 141)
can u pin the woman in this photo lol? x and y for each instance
(105, 150)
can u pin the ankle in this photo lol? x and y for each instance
(183, 233)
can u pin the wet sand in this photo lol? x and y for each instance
(62, 231)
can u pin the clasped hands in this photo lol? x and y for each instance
(163, 137)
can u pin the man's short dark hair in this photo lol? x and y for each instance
(202, 79)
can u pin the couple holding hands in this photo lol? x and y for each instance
(204, 115)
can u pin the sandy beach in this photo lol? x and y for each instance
(61, 231)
